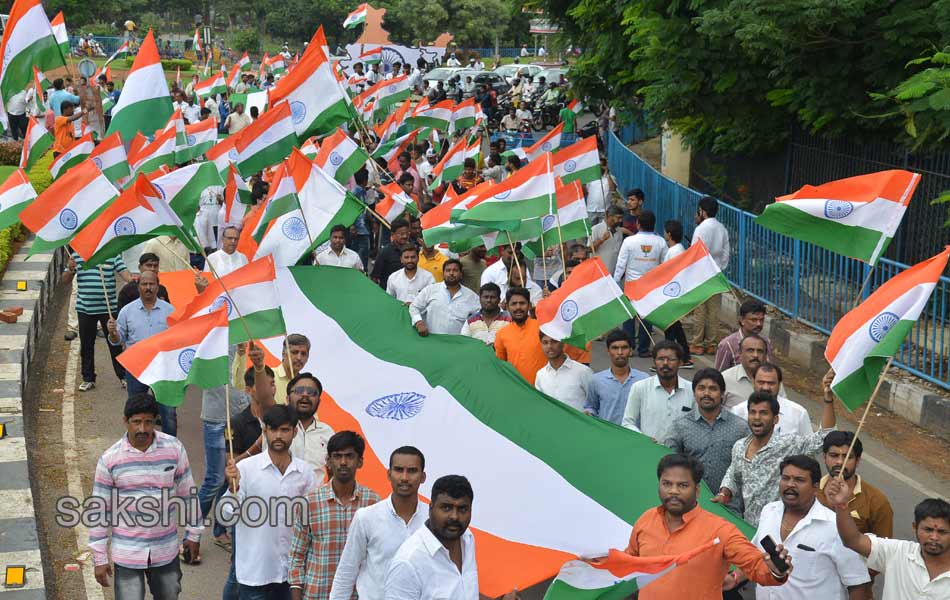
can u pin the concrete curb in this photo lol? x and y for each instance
(19, 542)
(908, 399)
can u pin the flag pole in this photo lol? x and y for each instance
(105, 292)
(864, 284)
(867, 409)
(557, 217)
(514, 254)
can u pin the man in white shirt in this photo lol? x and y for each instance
(918, 569)
(237, 119)
(739, 379)
(377, 531)
(227, 259)
(426, 166)
(598, 194)
(310, 442)
(824, 568)
(446, 304)
(262, 556)
(562, 378)
(654, 403)
(497, 272)
(337, 254)
(207, 219)
(792, 416)
(452, 61)
(606, 237)
(638, 254)
(406, 283)
(714, 235)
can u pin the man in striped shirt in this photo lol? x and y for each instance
(143, 464)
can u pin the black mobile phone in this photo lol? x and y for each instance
(769, 545)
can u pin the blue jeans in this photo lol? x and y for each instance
(635, 330)
(164, 582)
(231, 584)
(271, 591)
(134, 386)
(169, 415)
(215, 459)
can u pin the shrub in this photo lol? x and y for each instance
(39, 175)
(102, 29)
(168, 64)
(8, 238)
(246, 40)
(10, 153)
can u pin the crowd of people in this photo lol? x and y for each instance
(731, 427)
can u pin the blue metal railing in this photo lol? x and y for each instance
(523, 140)
(806, 282)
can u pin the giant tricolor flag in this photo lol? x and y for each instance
(317, 101)
(35, 144)
(145, 104)
(110, 157)
(138, 214)
(266, 141)
(15, 194)
(194, 352)
(674, 288)
(340, 156)
(588, 304)
(356, 17)
(28, 40)
(249, 294)
(67, 205)
(865, 338)
(421, 384)
(857, 216)
(579, 161)
(72, 156)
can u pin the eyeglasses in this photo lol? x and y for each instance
(306, 391)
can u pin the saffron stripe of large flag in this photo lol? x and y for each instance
(669, 291)
(237, 197)
(857, 216)
(249, 292)
(145, 104)
(58, 25)
(865, 338)
(323, 203)
(200, 136)
(463, 115)
(138, 214)
(617, 576)
(588, 304)
(529, 192)
(160, 152)
(571, 217)
(28, 40)
(340, 156)
(15, 194)
(420, 384)
(281, 199)
(194, 352)
(182, 188)
(67, 205)
(110, 157)
(317, 101)
(356, 17)
(72, 156)
(35, 144)
(579, 161)
(266, 141)
(395, 202)
(223, 153)
(211, 86)
(437, 116)
(549, 143)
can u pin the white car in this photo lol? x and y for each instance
(509, 72)
(433, 77)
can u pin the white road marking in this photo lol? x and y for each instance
(929, 493)
(17, 504)
(74, 479)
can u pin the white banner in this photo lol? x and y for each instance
(391, 55)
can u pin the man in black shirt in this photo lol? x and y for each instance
(246, 426)
(388, 260)
(130, 291)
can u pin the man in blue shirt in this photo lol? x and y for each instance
(362, 236)
(138, 320)
(60, 95)
(607, 395)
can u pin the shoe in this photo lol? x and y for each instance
(123, 383)
(85, 386)
(100, 333)
(688, 365)
(697, 350)
(70, 336)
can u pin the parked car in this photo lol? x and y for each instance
(433, 77)
(510, 71)
(492, 78)
(551, 74)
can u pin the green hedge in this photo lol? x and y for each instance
(41, 179)
(168, 64)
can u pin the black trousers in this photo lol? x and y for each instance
(18, 124)
(675, 333)
(87, 346)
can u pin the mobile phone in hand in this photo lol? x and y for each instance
(769, 545)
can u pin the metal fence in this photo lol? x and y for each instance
(524, 140)
(807, 283)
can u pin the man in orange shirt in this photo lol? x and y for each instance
(63, 136)
(519, 342)
(679, 525)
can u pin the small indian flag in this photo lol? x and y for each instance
(281, 199)
(211, 86)
(371, 57)
(340, 157)
(579, 161)
(571, 218)
(237, 197)
(201, 137)
(223, 153)
(40, 84)
(679, 285)
(549, 143)
(267, 141)
(857, 216)
(395, 202)
(391, 91)
(588, 303)
(110, 157)
(317, 102)
(277, 65)
(357, 17)
(196, 41)
(245, 62)
(391, 150)
(250, 294)
(194, 352)
(617, 576)
(58, 24)
(176, 123)
(436, 116)
(310, 147)
(35, 144)
(464, 115)
(182, 189)
(865, 338)
(72, 156)
(576, 106)
(67, 205)
(15, 194)
(439, 227)
(529, 192)
(160, 152)
(122, 52)
(145, 104)
(395, 122)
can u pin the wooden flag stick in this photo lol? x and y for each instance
(105, 292)
(864, 284)
(867, 409)
(514, 254)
